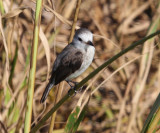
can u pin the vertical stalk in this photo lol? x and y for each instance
(75, 21)
(1, 7)
(28, 115)
(59, 90)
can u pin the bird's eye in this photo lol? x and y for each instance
(79, 39)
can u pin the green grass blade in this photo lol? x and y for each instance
(71, 120)
(155, 107)
(76, 118)
(28, 115)
(79, 120)
(1, 7)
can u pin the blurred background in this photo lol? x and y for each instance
(122, 102)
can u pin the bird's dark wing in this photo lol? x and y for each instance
(67, 62)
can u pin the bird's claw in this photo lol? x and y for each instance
(73, 87)
(75, 91)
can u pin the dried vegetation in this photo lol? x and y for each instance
(123, 99)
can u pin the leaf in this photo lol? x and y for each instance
(80, 118)
(76, 117)
(14, 12)
(71, 120)
(151, 115)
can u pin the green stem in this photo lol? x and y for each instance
(28, 115)
(1, 7)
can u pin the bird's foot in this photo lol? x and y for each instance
(74, 87)
(80, 89)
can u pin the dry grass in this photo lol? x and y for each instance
(121, 103)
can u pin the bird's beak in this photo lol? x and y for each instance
(90, 43)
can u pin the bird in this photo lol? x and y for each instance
(74, 59)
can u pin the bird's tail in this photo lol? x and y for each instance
(46, 92)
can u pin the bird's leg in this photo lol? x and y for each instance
(73, 87)
(75, 83)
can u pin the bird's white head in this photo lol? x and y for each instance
(83, 37)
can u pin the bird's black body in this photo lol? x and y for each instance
(69, 63)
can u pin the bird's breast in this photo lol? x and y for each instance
(88, 56)
(87, 60)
